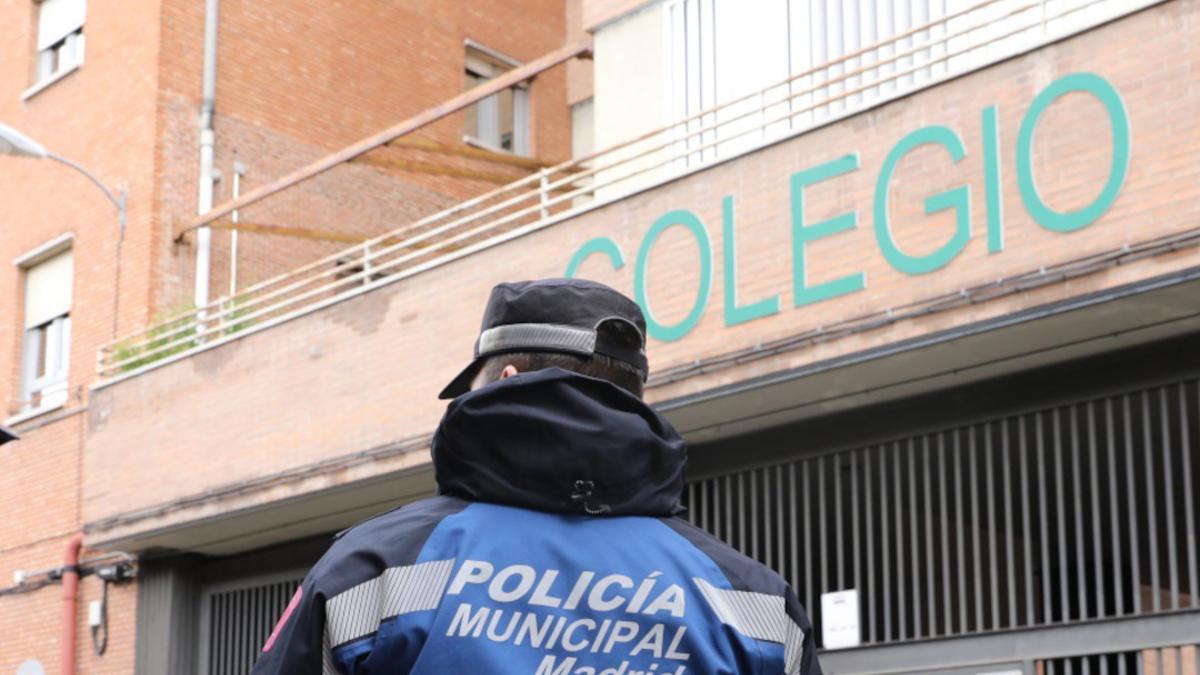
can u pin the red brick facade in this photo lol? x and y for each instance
(295, 80)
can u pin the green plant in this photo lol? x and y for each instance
(165, 338)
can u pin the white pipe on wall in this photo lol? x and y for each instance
(204, 201)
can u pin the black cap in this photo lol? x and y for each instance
(553, 315)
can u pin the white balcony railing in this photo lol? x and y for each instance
(964, 38)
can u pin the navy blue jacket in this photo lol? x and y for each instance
(555, 547)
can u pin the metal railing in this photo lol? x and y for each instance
(961, 40)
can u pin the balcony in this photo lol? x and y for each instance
(306, 401)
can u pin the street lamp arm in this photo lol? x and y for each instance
(118, 200)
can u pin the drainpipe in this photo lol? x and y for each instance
(70, 582)
(207, 143)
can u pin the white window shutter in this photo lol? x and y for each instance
(48, 289)
(520, 121)
(58, 19)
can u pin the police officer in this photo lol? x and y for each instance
(555, 545)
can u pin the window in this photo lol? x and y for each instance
(500, 121)
(47, 342)
(60, 37)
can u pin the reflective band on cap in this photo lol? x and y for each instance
(542, 336)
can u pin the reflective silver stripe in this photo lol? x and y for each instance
(537, 336)
(793, 647)
(759, 616)
(327, 665)
(358, 611)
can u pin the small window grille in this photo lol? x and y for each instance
(235, 621)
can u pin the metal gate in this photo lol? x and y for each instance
(237, 617)
(1081, 511)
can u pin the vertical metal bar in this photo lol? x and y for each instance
(1164, 416)
(544, 192)
(931, 600)
(869, 528)
(237, 611)
(1077, 494)
(898, 506)
(1097, 543)
(838, 546)
(741, 512)
(1061, 513)
(1026, 507)
(1113, 508)
(915, 538)
(1151, 498)
(1010, 563)
(1132, 501)
(993, 559)
(238, 170)
(753, 520)
(768, 520)
(959, 534)
(780, 532)
(690, 492)
(1061, 518)
(216, 645)
(1104, 664)
(808, 529)
(976, 561)
(794, 544)
(1188, 501)
(884, 545)
(824, 520)
(856, 578)
(947, 612)
(702, 505)
(727, 501)
(1043, 513)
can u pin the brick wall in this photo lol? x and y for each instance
(101, 116)
(364, 373)
(296, 80)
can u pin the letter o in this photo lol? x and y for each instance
(1073, 220)
(496, 588)
(692, 222)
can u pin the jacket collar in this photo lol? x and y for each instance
(554, 440)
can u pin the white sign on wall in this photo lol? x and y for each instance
(840, 626)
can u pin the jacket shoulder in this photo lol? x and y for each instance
(743, 572)
(390, 539)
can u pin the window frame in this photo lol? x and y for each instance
(484, 64)
(49, 341)
(55, 61)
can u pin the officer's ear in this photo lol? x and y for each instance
(486, 374)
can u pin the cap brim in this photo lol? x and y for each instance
(461, 383)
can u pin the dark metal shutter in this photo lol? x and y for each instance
(237, 618)
(1074, 512)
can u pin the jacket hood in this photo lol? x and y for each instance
(558, 441)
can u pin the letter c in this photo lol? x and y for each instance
(598, 245)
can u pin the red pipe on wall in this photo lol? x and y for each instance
(70, 579)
